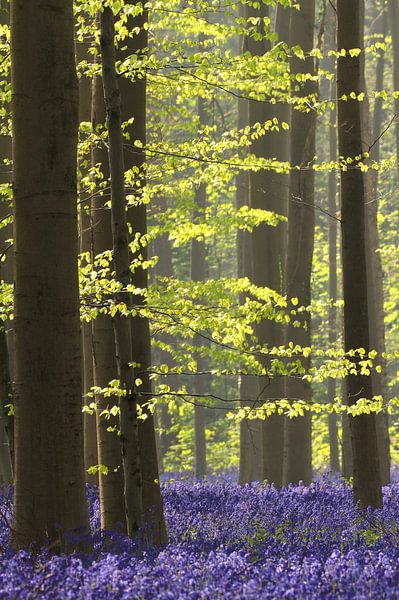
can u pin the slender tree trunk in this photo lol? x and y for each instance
(164, 268)
(393, 12)
(298, 431)
(367, 482)
(198, 273)
(134, 105)
(375, 288)
(332, 318)
(112, 503)
(6, 329)
(121, 258)
(90, 439)
(332, 245)
(347, 453)
(6, 469)
(49, 496)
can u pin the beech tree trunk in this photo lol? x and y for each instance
(121, 259)
(111, 484)
(90, 439)
(198, 273)
(49, 497)
(6, 328)
(6, 468)
(250, 440)
(298, 431)
(267, 192)
(367, 481)
(375, 287)
(393, 12)
(164, 268)
(330, 35)
(332, 292)
(133, 92)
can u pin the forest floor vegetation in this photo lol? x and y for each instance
(227, 542)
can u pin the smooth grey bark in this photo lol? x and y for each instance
(111, 485)
(133, 91)
(50, 495)
(367, 481)
(298, 431)
(121, 259)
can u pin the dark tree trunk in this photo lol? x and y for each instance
(375, 287)
(133, 93)
(298, 431)
(90, 438)
(367, 481)
(332, 319)
(250, 440)
(49, 496)
(129, 437)
(267, 192)
(6, 329)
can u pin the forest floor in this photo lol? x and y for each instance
(229, 542)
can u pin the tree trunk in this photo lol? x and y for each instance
(332, 292)
(112, 503)
(198, 273)
(6, 469)
(134, 105)
(6, 329)
(90, 439)
(367, 482)
(49, 497)
(121, 259)
(332, 246)
(298, 431)
(250, 440)
(393, 12)
(375, 286)
(164, 268)
(267, 192)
